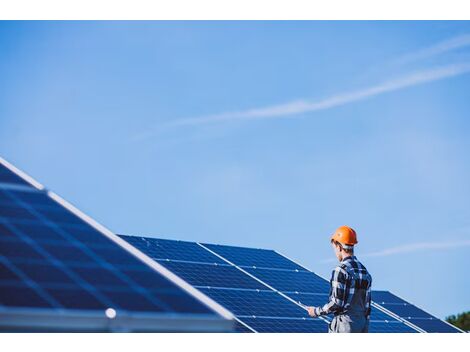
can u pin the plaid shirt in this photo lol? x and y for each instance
(347, 277)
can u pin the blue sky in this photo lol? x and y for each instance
(264, 134)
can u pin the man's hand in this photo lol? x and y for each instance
(311, 312)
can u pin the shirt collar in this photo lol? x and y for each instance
(352, 257)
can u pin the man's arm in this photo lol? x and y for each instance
(368, 297)
(339, 292)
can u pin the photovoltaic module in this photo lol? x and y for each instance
(265, 290)
(57, 266)
(60, 270)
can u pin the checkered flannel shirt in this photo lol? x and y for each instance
(349, 275)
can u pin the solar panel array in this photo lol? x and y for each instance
(51, 258)
(411, 313)
(263, 289)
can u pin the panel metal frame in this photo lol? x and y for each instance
(53, 320)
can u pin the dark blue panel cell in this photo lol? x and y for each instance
(386, 297)
(173, 250)
(86, 235)
(257, 303)
(18, 249)
(131, 300)
(117, 256)
(261, 258)
(35, 199)
(308, 299)
(5, 198)
(66, 253)
(6, 176)
(98, 276)
(300, 281)
(377, 314)
(307, 325)
(38, 231)
(406, 310)
(433, 325)
(146, 277)
(6, 274)
(214, 275)
(59, 215)
(6, 231)
(389, 327)
(75, 298)
(20, 295)
(43, 273)
(181, 303)
(15, 213)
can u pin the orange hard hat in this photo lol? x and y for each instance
(345, 235)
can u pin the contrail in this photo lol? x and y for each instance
(454, 43)
(303, 106)
(413, 247)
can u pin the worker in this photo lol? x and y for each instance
(350, 287)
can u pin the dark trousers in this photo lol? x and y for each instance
(349, 323)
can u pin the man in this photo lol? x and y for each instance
(350, 283)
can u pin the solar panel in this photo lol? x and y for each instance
(433, 325)
(411, 313)
(264, 303)
(295, 281)
(213, 275)
(381, 297)
(291, 281)
(267, 291)
(160, 249)
(389, 327)
(53, 258)
(251, 257)
(233, 288)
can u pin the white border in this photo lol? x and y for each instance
(236, 9)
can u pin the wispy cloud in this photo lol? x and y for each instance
(301, 106)
(439, 48)
(290, 109)
(413, 247)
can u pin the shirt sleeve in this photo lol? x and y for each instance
(368, 297)
(339, 289)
